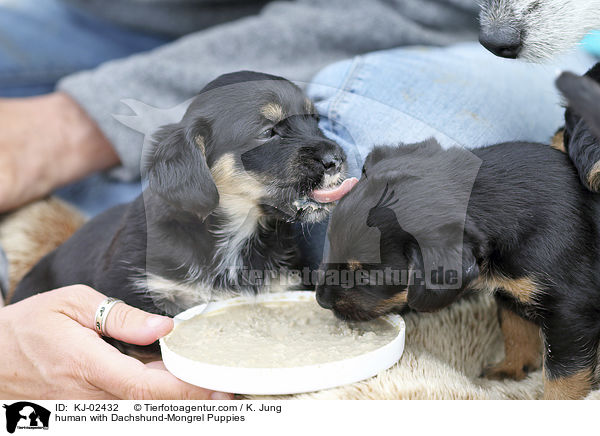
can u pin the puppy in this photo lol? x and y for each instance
(582, 132)
(583, 95)
(535, 29)
(225, 187)
(489, 219)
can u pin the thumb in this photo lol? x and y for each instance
(134, 326)
(123, 322)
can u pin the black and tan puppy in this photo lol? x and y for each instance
(512, 219)
(581, 139)
(225, 186)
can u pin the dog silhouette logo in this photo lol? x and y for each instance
(26, 415)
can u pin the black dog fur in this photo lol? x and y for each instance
(531, 239)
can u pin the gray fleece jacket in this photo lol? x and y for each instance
(293, 39)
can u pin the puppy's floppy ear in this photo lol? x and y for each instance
(426, 299)
(583, 94)
(177, 170)
(582, 126)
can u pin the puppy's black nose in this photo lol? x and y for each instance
(332, 162)
(323, 297)
(505, 42)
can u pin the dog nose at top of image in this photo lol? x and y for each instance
(503, 41)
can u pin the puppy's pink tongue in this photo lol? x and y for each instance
(334, 194)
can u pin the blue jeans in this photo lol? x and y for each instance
(43, 40)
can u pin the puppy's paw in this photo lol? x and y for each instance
(511, 370)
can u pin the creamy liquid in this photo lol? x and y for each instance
(276, 335)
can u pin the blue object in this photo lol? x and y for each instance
(97, 193)
(591, 43)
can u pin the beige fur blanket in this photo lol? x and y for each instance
(444, 353)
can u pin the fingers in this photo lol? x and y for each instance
(127, 378)
(117, 374)
(159, 364)
(114, 373)
(123, 322)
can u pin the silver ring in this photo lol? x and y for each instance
(102, 313)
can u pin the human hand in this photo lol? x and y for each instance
(46, 142)
(51, 351)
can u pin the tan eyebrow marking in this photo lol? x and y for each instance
(273, 112)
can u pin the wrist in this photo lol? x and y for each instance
(83, 149)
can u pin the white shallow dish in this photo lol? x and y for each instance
(278, 381)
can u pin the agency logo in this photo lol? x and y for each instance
(26, 415)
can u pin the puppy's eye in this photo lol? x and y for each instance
(267, 134)
(364, 172)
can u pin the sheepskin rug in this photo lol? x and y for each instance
(30, 233)
(444, 354)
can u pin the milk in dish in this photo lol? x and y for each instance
(280, 334)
